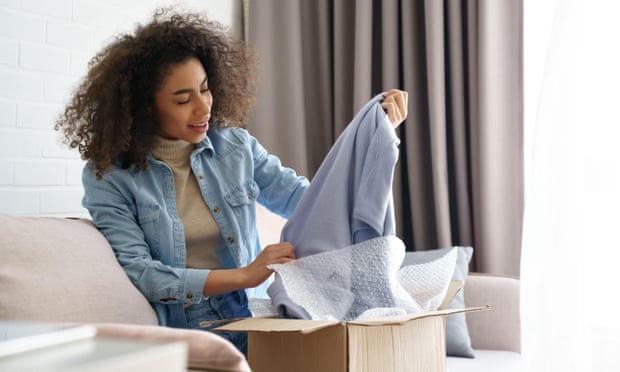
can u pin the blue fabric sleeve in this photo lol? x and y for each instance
(281, 188)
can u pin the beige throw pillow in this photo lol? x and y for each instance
(63, 270)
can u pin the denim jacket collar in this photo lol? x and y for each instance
(205, 144)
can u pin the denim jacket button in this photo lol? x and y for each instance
(189, 296)
(230, 239)
(216, 209)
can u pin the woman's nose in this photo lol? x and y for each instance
(203, 106)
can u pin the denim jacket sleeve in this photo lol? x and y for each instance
(281, 188)
(116, 212)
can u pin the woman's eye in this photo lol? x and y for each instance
(202, 91)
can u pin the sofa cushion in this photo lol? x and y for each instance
(487, 360)
(458, 342)
(207, 351)
(502, 294)
(63, 270)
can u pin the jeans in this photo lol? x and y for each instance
(219, 307)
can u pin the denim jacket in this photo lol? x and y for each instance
(136, 212)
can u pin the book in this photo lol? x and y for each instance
(18, 337)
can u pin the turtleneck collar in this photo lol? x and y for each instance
(172, 150)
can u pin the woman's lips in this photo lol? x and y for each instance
(199, 127)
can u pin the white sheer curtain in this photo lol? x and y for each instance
(571, 242)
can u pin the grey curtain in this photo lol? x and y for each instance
(460, 177)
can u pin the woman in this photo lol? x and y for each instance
(172, 177)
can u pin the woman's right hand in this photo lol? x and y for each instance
(222, 281)
(257, 272)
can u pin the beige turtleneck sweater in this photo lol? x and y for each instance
(202, 235)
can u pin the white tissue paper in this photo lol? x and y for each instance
(363, 281)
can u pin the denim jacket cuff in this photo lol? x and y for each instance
(194, 285)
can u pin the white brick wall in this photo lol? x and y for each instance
(45, 47)
(9, 51)
(8, 113)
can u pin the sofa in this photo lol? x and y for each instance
(62, 270)
(495, 334)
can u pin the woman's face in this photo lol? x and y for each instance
(184, 102)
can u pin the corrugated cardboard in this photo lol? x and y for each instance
(299, 345)
(408, 343)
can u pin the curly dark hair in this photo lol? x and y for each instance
(112, 112)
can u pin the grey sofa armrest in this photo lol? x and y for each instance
(500, 327)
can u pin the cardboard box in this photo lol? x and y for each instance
(411, 343)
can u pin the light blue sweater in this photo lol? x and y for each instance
(350, 198)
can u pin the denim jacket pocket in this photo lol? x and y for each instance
(241, 202)
(247, 193)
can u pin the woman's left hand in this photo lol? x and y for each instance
(395, 105)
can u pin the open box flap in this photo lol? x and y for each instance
(307, 326)
(400, 319)
(454, 288)
(276, 325)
